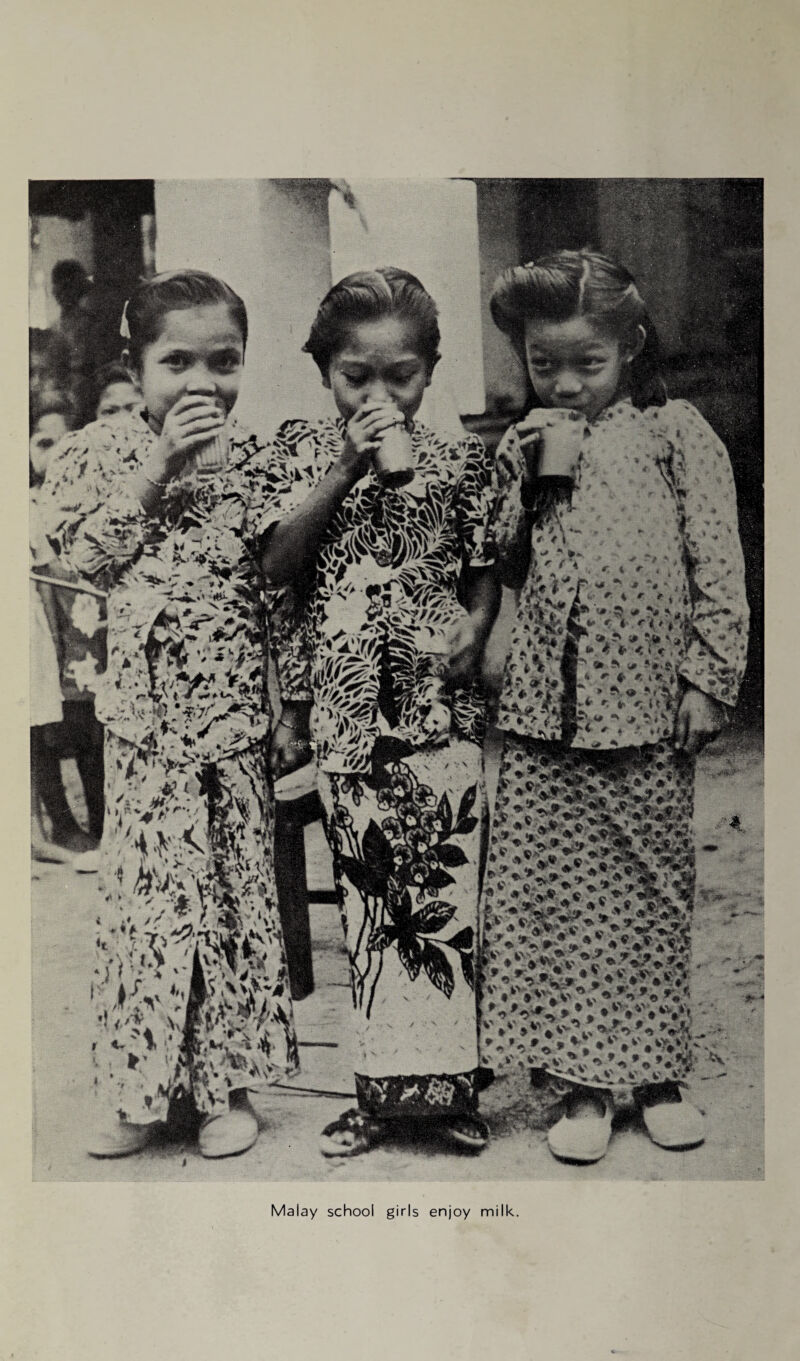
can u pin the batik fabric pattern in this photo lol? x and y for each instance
(407, 838)
(190, 989)
(386, 590)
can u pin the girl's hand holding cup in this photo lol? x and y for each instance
(365, 431)
(194, 421)
(550, 440)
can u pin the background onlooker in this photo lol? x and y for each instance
(75, 614)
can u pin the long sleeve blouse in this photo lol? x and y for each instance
(198, 559)
(386, 590)
(637, 579)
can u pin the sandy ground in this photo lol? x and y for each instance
(728, 1016)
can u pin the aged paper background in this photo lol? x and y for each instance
(666, 87)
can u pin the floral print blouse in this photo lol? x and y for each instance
(386, 591)
(198, 560)
(635, 584)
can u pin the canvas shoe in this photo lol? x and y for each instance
(669, 1118)
(230, 1132)
(582, 1134)
(119, 1138)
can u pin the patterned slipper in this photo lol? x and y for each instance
(353, 1133)
(465, 1131)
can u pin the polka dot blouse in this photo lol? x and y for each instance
(633, 586)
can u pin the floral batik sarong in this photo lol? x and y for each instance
(407, 840)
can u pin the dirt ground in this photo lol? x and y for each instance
(728, 1018)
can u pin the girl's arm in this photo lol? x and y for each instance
(95, 521)
(291, 545)
(100, 504)
(511, 525)
(715, 659)
(481, 589)
(480, 585)
(290, 745)
(714, 663)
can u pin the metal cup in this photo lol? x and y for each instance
(559, 444)
(394, 460)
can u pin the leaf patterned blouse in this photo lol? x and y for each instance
(198, 560)
(386, 591)
(635, 585)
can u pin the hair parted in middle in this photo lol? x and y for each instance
(575, 283)
(370, 295)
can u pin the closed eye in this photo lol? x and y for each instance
(227, 363)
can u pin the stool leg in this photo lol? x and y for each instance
(290, 876)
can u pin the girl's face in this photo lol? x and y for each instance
(379, 361)
(198, 350)
(576, 365)
(49, 430)
(119, 397)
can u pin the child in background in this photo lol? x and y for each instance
(78, 649)
(117, 392)
(166, 510)
(617, 515)
(47, 790)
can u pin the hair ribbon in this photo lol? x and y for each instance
(124, 327)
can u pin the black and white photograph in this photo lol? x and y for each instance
(397, 660)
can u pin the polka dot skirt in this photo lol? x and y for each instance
(587, 910)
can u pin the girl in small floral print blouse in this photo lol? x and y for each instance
(617, 517)
(166, 510)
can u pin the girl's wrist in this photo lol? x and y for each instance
(347, 469)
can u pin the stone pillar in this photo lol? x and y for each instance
(269, 240)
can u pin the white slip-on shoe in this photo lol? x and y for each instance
(119, 1138)
(231, 1132)
(582, 1134)
(669, 1117)
(87, 863)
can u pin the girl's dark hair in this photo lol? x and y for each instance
(171, 292)
(577, 283)
(115, 372)
(367, 296)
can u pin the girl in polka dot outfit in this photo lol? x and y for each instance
(616, 515)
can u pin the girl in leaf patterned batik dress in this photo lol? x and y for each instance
(402, 597)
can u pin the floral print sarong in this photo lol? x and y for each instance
(407, 839)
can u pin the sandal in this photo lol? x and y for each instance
(364, 1131)
(465, 1131)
